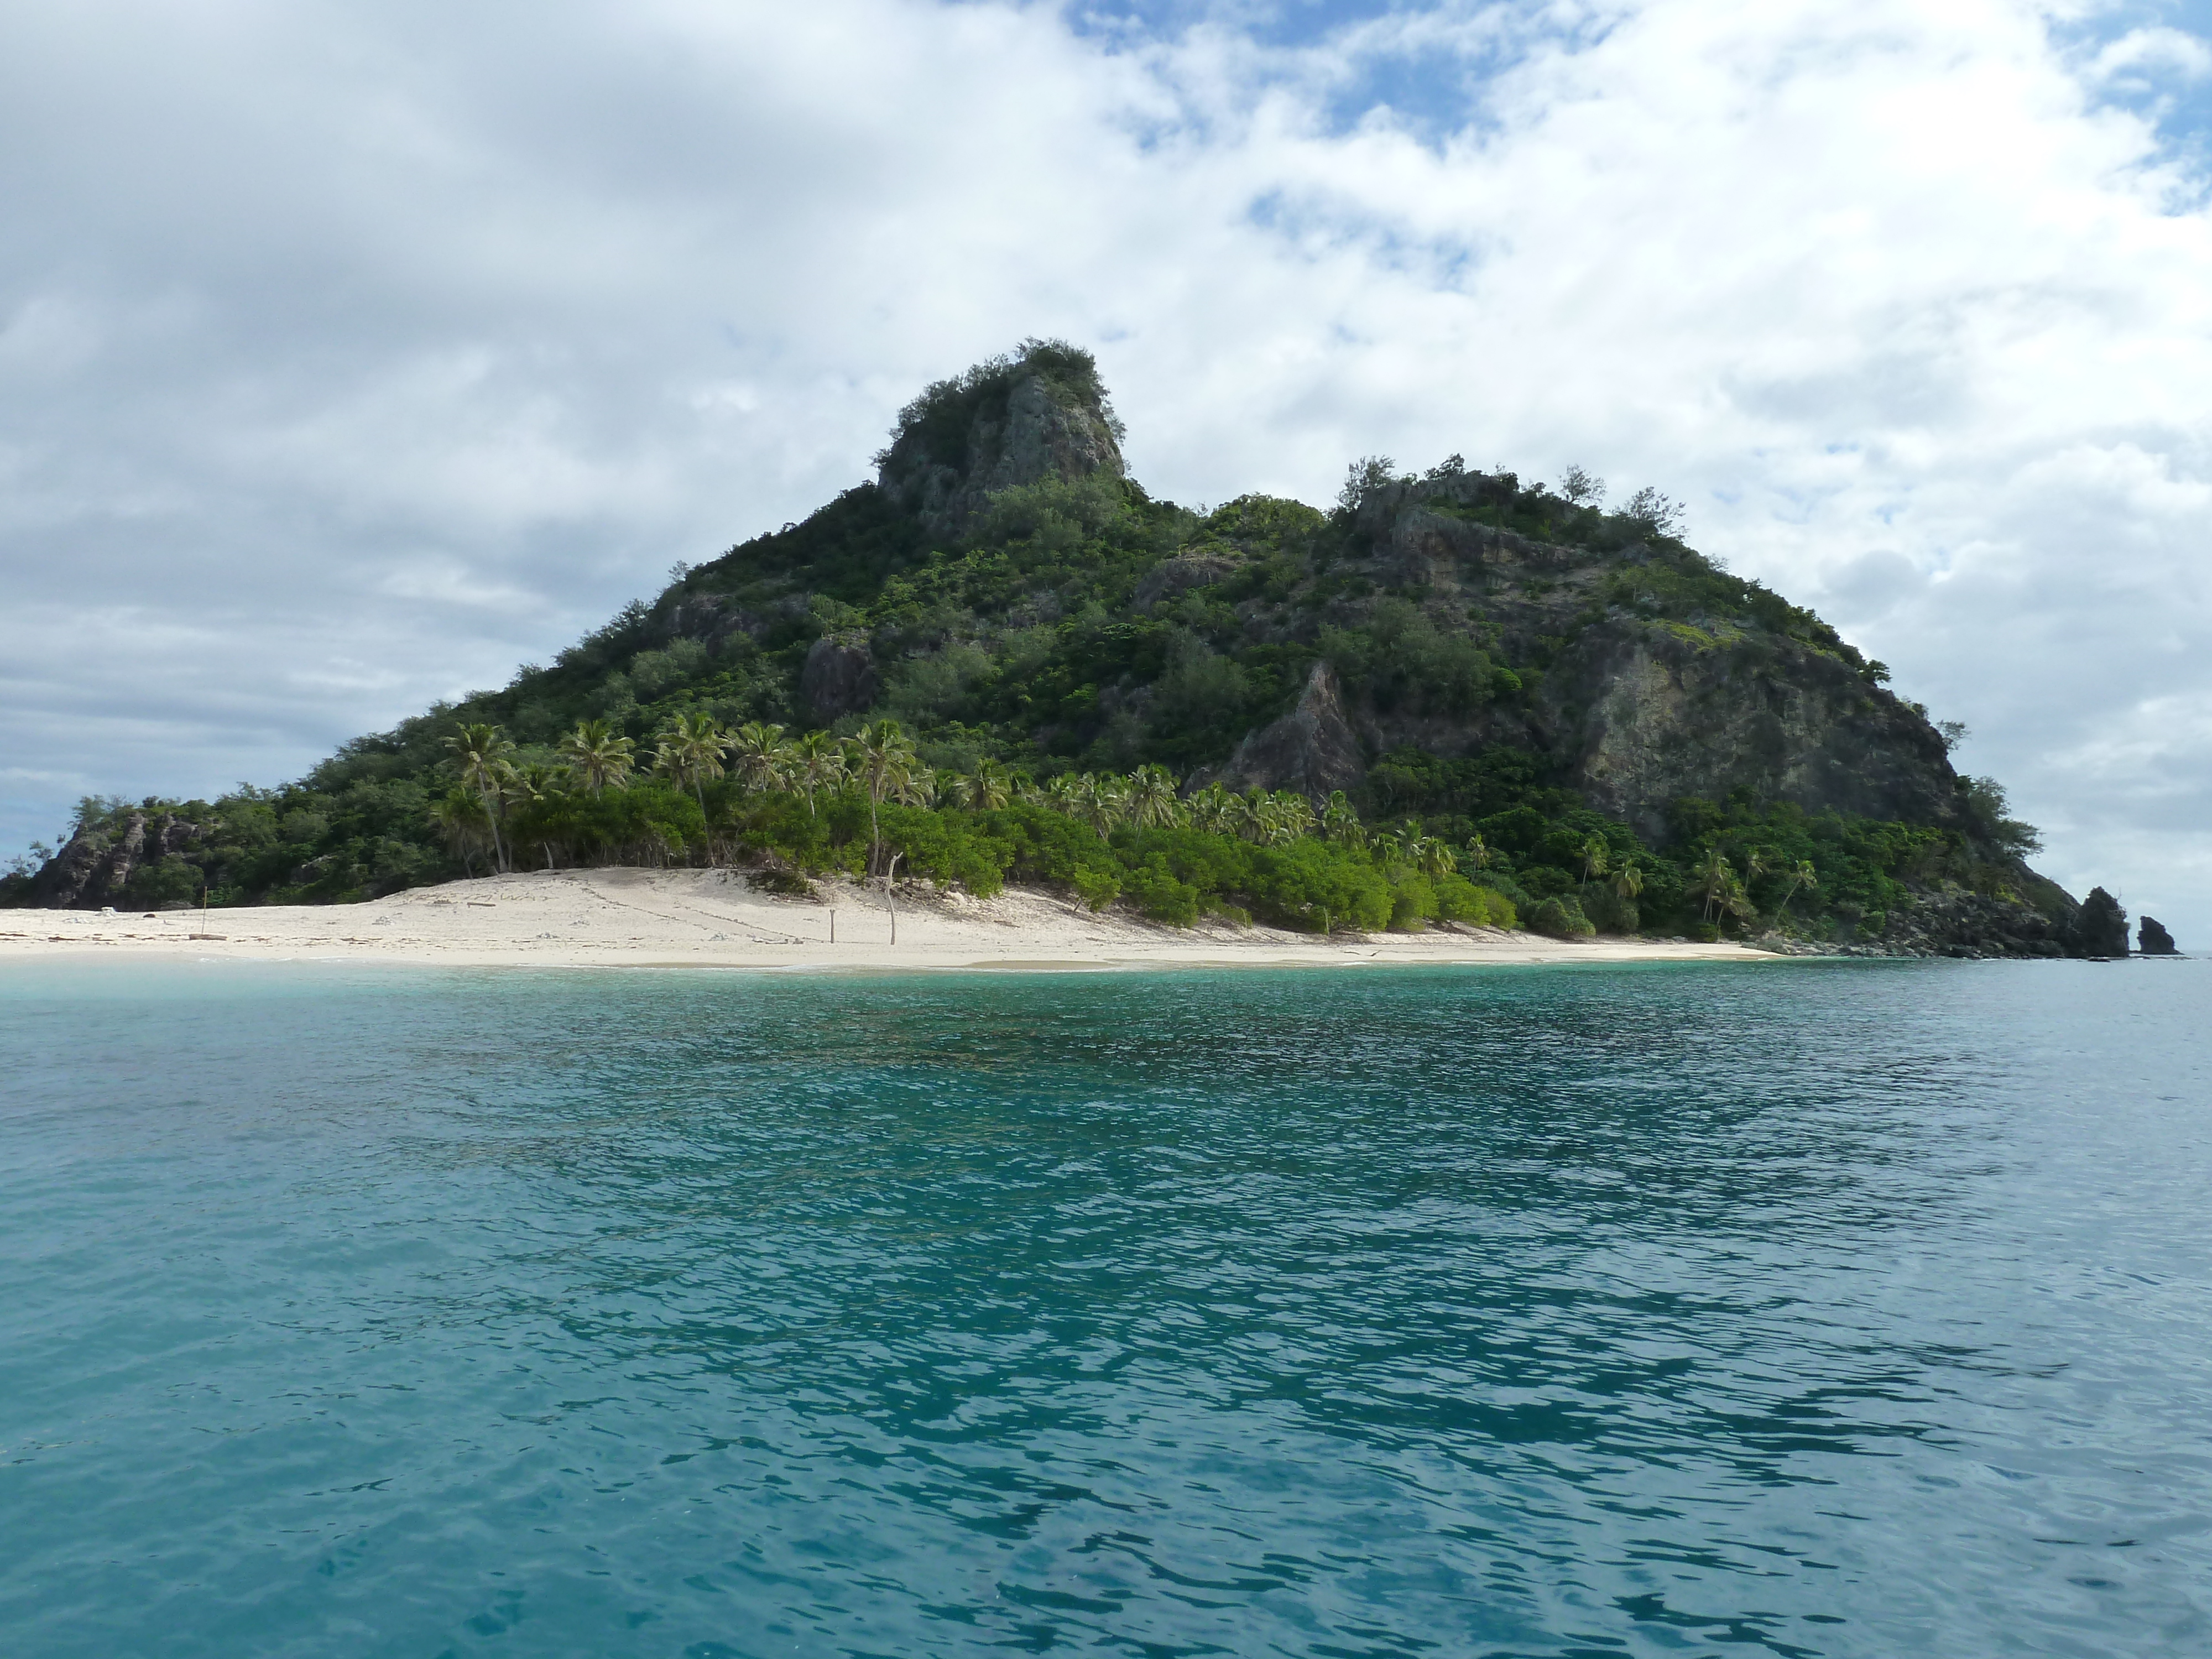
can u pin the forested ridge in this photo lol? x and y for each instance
(1451, 697)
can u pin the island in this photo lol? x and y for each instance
(1451, 701)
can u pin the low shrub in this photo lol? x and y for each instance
(784, 883)
(1155, 892)
(1459, 899)
(1560, 918)
(1097, 888)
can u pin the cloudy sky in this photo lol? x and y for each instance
(351, 355)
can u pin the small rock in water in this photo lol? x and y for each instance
(2152, 939)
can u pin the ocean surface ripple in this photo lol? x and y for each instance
(1815, 1308)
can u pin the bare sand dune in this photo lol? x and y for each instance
(710, 918)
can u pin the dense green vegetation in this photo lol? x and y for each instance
(1045, 679)
(1482, 841)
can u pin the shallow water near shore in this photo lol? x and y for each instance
(1809, 1307)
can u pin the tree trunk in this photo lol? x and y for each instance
(498, 850)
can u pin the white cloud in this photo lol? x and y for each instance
(350, 355)
(2141, 56)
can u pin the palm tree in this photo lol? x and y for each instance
(1293, 817)
(1714, 880)
(459, 816)
(1101, 801)
(1064, 795)
(881, 760)
(1627, 883)
(1802, 875)
(1595, 861)
(1339, 822)
(1250, 815)
(760, 755)
(1153, 803)
(535, 791)
(1477, 852)
(597, 755)
(817, 762)
(691, 752)
(986, 788)
(483, 751)
(1737, 901)
(1214, 808)
(1434, 857)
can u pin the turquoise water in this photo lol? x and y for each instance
(1835, 1309)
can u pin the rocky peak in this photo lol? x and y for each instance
(1040, 414)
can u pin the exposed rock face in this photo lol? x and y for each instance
(1642, 711)
(1312, 750)
(1171, 578)
(2101, 927)
(1957, 923)
(1651, 716)
(714, 618)
(2152, 940)
(1033, 428)
(839, 678)
(93, 868)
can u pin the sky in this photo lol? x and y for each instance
(352, 356)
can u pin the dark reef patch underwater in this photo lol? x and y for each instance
(1841, 1309)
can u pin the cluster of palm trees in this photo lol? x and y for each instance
(1627, 880)
(879, 763)
(691, 750)
(492, 800)
(1725, 893)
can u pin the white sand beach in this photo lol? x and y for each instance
(710, 918)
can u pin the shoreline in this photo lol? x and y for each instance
(673, 919)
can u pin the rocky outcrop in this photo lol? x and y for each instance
(1955, 922)
(839, 678)
(1018, 421)
(1649, 713)
(95, 865)
(1172, 578)
(1312, 750)
(1639, 710)
(2152, 940)
(2100, 928)
(712, 619)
